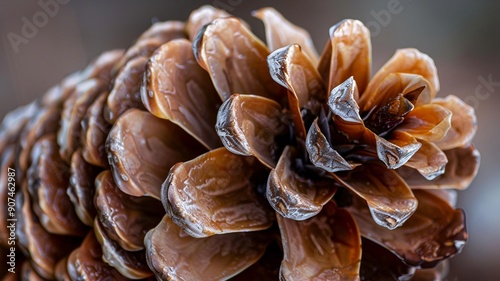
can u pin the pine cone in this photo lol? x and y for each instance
(200, 153)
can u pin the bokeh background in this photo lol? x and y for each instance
(463, 38)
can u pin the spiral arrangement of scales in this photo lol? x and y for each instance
(201, 153)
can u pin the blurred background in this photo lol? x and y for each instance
(463, 38)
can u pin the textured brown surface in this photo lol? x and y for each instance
(458, 39)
